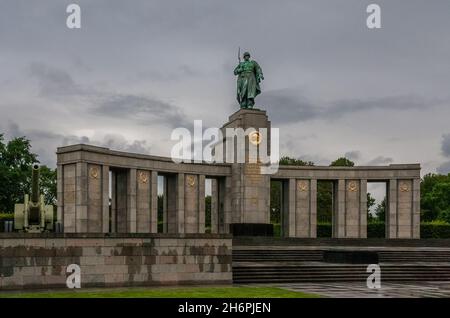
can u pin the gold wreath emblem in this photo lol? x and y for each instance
(404, 187)
(303, 186)
(352, 186)
(191, 180)
(93, 172)
(255, 138)
(143, 176)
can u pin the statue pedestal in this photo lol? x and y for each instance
(250, 196)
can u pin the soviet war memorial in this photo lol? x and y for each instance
(141, 157)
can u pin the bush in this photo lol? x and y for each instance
(324, 230)
(436, 229)
(376, 230)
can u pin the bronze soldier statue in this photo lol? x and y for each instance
(249, 76)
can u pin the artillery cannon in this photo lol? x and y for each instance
(33, 215)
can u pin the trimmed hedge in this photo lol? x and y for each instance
(378, 230)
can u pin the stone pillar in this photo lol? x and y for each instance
(352, 209)
(105, 200)
(59, 193)
(201, 204)
(113, 201)
(305, 208)
(391, 213)
(121, 199)
(69, 198)
(131, 201)
(94, 199)
(405, 208)
(313, 208)
(214, 206)
(154, 202)
(225, 205)
(339, 209)
(289, 208)
(180, 225)
(143, 198)
(191, 204)
(363, 209)
(416, 209)
(81, 191)
(250, 196)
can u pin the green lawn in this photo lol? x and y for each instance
(167, 292)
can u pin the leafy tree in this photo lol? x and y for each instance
(433, 196)
(380, 211)
(285, 160)
(342, 162)
(16, 161)
(438, 201)
(370, 201)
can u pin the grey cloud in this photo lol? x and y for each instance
(44, 142)
(444, 168)
(142, 109)
(353, 155)
(380, 160)
(445, 146)
(53, 81)
(287, 106)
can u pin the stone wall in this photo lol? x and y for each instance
(41, 260)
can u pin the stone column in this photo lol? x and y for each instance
(143, 196)
(305, 208)
(131, 201)
(190, 203)
(180, 225)
(339, 209)
(313, 208)
(94, 199)
(404, 208)
(363, 209)
(290, 209)
(113, 202)
(121, 199)
(225, 205)
(214, 206)
(81, 191)
(391, 213)
(69, 198)
(105, 199)
(59, 193)
(201, 203)
(154, 202)
(416, 209)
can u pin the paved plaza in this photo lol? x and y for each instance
(387, 290)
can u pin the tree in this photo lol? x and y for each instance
(16, 161)
(433, 196)
(285, 160)
(342, 162)
(370, 202)
(438, 201)
(380, 211)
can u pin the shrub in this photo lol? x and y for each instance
(436, 229)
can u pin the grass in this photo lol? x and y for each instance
(167, 292)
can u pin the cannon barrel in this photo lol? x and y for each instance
(35, 184)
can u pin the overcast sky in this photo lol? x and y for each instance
(137, 69)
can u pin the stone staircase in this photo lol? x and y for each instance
(287, 265)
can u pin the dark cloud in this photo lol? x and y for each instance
(288, 106)
(444, 168)
(141, 109)
(445, 146)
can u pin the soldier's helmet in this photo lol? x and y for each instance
(246, 54)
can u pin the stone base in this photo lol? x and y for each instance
(251, 229)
